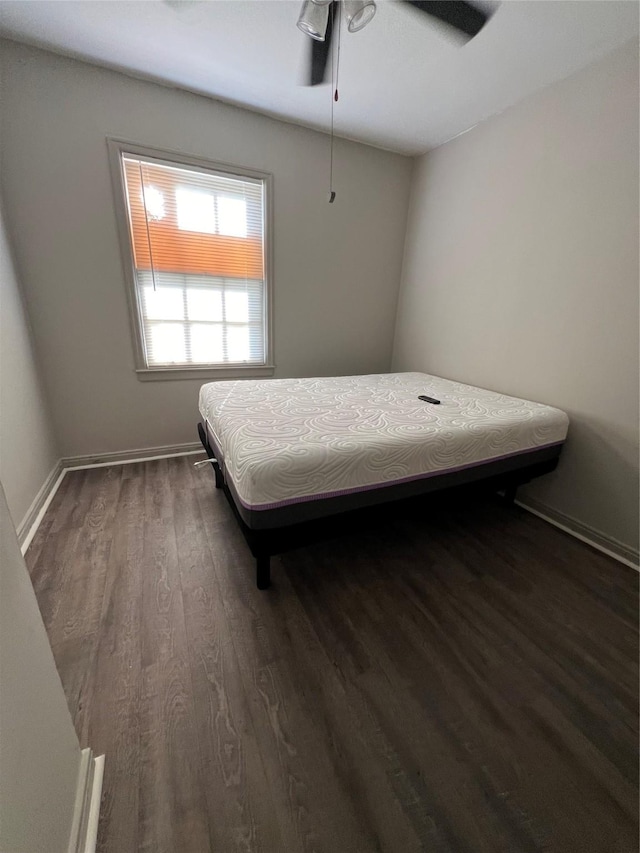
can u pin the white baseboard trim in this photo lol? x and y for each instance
(30, 523)
(127, 457)
(600, 541)
(86, 811)
(34, 515)
(94, 807)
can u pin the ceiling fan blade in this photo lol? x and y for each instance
(320, 51)
(465, 17)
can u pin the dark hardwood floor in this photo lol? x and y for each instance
(458, 678)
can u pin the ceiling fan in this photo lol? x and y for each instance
(317, 20)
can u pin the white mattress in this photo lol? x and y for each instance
(283, 441)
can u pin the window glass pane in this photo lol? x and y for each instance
(206, 343)
(196, 211)
(204, 304)
(164, 303)
(238, 343)
(232, 216)
(167, 343)
(237, 306)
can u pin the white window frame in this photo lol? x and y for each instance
(144, 372)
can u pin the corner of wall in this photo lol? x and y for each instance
(411, 196)
(29, 448)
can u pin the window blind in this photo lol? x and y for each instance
(197, 239)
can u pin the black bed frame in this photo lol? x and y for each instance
(272, 532)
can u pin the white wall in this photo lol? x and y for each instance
(336, 267)
(28, 448)
(521, 275)
(40, 751)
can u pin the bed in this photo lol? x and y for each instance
(288, 452)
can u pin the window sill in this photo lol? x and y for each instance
(162, 374)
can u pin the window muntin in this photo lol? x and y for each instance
(195, 308)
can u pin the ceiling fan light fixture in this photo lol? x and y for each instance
(358, 13)
(313, 19)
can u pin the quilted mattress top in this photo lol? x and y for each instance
(283, 441)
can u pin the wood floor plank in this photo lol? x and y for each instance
(108, 719)
(241, 812)
(308, 795)
(172, 805)
(59, 506)
(462, 679)
(330, 706)
(54, 529)
(435, 780)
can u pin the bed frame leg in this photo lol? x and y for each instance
(263, 572)
(510, 493)
(218, 475)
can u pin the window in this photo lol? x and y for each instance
(196, 247)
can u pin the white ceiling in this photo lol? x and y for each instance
(405, 84)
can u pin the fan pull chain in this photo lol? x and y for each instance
(335, 95)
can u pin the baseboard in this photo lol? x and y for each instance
(86, 811)
(124, 457)
(29, 524)
(607, 544)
